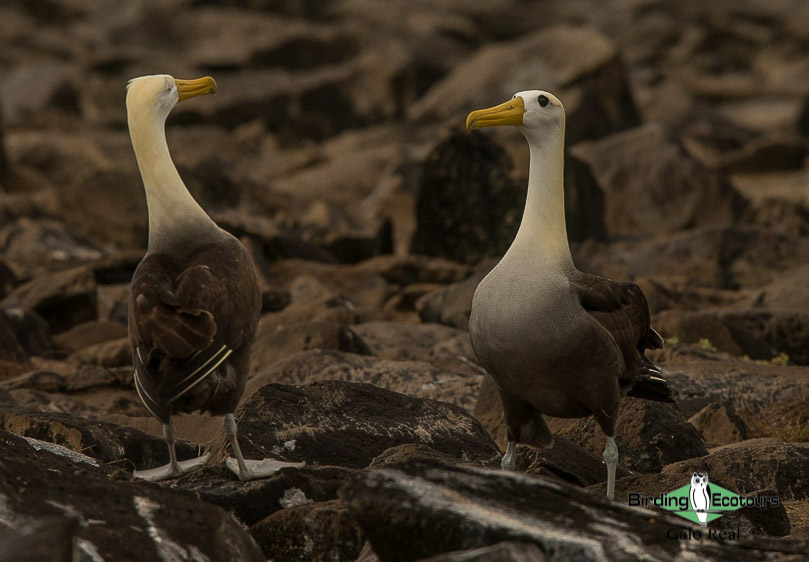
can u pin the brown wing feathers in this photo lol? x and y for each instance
(621, 308)
(176, 338)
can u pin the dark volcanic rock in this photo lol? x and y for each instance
(468, 207)
(402, 342)
(405, 454)
(759, 334)
(8, 279)
(441, 346)
(698, 381)
(584, 202)
(49, 538)
(31, 330)
(348, 424)
(720, 424)
(505, 551)
(649, 434)
(579, 64)
(253, 501)
(756, 464)
(40, 245)
(778, 152)
(315, 531)
(652, 186)
(10, 347)
(709, 257)
(457, 508)
(694, 327)
(100, 440)
(451, 305)
(112, 353)
(89, 333)
(414, 378)
(140, 521)
(285, 341)
(63, 298)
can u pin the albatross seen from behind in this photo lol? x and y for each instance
(195, 301)
(555, 340)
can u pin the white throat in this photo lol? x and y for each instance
(173, 212)
(542, 236)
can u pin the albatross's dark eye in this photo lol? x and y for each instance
(543, 101)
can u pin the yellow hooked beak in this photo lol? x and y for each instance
(190, 88)
(509, 113)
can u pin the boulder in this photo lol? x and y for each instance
(38, 245)
(755, 464)
(758, 334)
(699, 381)
(348, 424)
(467, 207)
(30, 329)
(719, 424)
(709, 326)
(8, 279)
(651, 186)
(788, 291)
(48, 538)
(108, 207)
(451, 305)
(734, 258)
(111, 353)
(410, 452)
(10, 347)
(315, 531)
(63, 298)
(457, 508)
(288, 340)
(415, 378)
(141, 521)
(766, 154)
(579, 64)
(100, 440)
(253, 501)
(443, 347)
(506, 551)
(89, 333)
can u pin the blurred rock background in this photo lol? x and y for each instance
(335, 150)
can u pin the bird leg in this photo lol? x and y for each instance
(174, 468)
(611, 459)
(250, 469)
(509, 459)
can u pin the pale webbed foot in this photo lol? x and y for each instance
(256, 470)
(168, 471)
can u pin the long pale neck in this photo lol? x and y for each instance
(173, 212)
(543, 231)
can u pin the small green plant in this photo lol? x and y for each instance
(672, 341)
(705, 343)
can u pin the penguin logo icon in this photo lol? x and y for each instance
(700, 496)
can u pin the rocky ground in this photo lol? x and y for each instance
(335, 150)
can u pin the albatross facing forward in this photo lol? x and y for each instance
(555, 340)
(195, 300)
